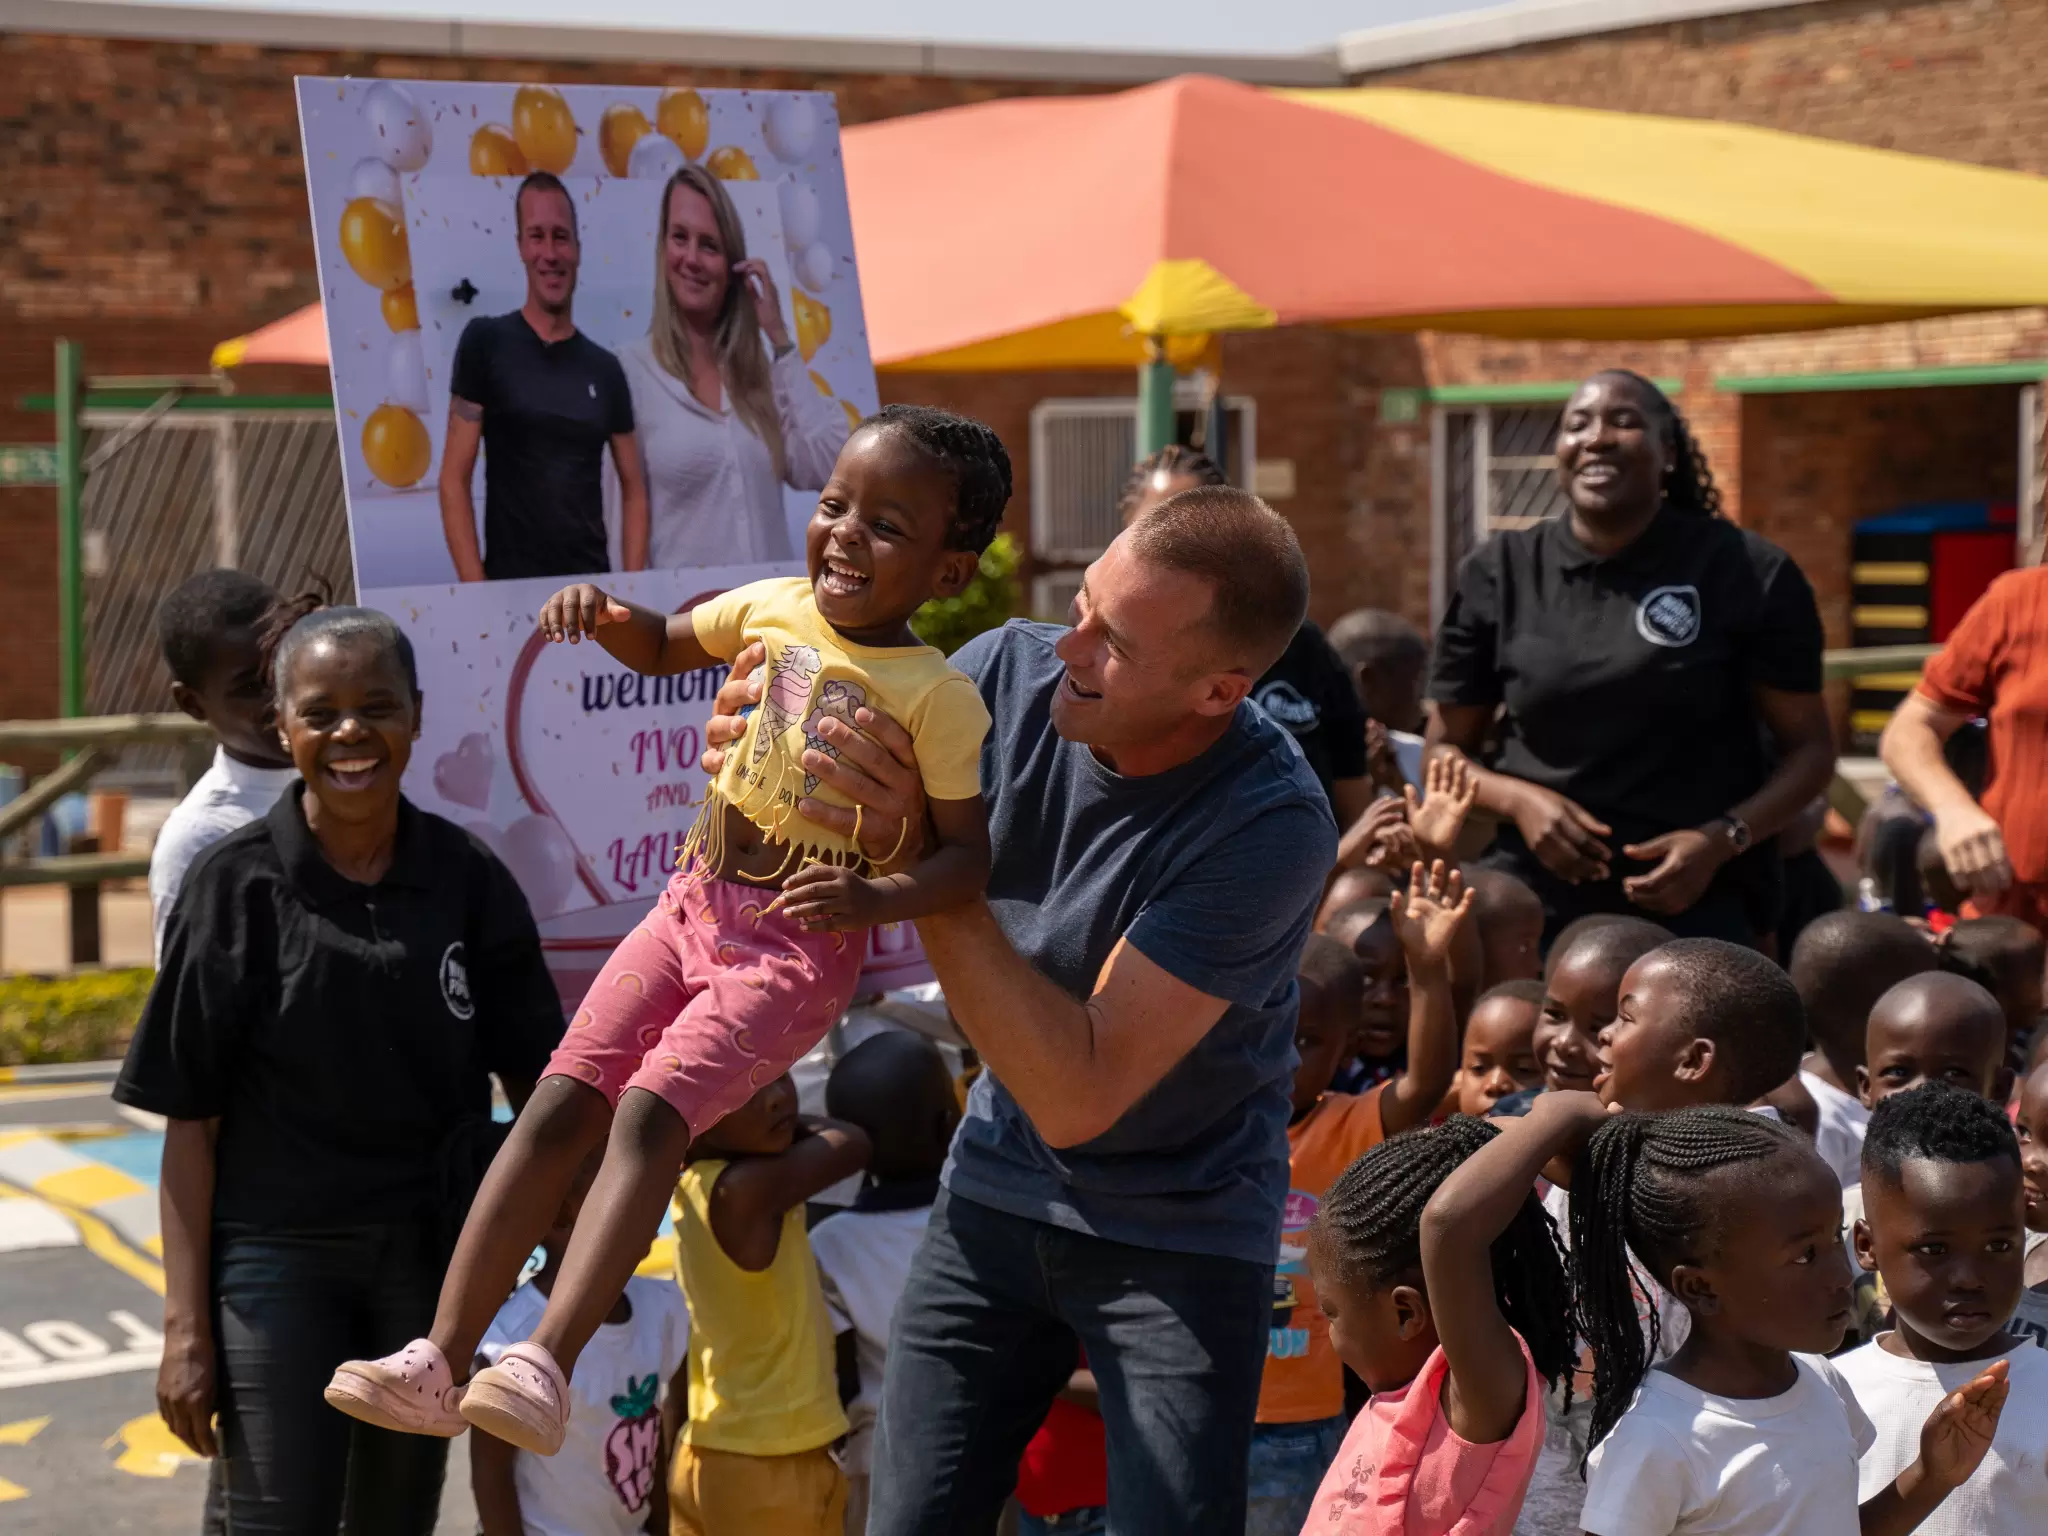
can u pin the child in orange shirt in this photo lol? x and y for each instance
(1301, 1419)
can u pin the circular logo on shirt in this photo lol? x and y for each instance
(1284, 702)
(1670, 616)
(455, 982)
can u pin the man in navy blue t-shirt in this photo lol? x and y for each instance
(1129, 980)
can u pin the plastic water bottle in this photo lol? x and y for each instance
(1868, 899)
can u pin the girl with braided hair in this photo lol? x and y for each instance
(1445, 1289)
(742, 965)
(1746, 1429)
(1656, 675)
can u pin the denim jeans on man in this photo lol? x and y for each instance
(289, 1308)
(1288, 1463)
(983, 1342)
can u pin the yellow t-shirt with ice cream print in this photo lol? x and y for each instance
(814, 671)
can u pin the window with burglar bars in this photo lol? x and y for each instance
(1496, 470)
(1081, 450)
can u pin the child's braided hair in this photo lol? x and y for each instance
(972, 453)
(1638, 1185)
(1176, 460)
(1689, 484)
(1371, 1225)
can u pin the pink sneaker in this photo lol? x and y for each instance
(412, 1392)
(523, 1400)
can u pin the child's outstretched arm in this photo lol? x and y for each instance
(1952, 1444)
(826, 896)
(752, 1195)
(1440, 818)
(1427, 919)
(1468, 1212)
(649, 642)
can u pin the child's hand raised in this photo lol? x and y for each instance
(580, 610)
(1439, 817)
(1428, 915)
(1958, 1433)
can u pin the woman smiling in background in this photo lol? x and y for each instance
(723, 427)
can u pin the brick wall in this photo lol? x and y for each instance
(153, 202)
(1960, 79)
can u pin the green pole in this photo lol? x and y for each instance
(1155, 400)
(70, 541)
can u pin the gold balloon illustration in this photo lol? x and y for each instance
(813, 323)
(731, 163)
(373, 241)
(494, 152)
(852, 414)
(401, 309)
(622, 126)
(818, 382)
(396, 446)
(683, 117)
(544, 127)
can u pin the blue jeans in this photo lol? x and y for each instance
(984, 1339)
(1287, 1466)
(288, 1308)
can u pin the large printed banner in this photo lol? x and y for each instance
(659, 337)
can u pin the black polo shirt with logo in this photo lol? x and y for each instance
(339, 1031)
(1309, 691)
(1627, 680)
(550, 407)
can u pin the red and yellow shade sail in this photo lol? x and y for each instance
(1061, 232)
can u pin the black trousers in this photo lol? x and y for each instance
(288, 1308)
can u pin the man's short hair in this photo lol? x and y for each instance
(542, 181)
(1936, 1122)
(1742, 1002)
(1371, 637)
(194, 612)
(1248, 555)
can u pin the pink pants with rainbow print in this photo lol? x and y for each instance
(707, 1000)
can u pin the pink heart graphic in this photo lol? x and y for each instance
(464, 775)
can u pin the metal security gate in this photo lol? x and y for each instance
(173, 490)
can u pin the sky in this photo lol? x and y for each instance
(1177, 26)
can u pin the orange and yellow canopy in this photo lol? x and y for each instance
(1060, 232)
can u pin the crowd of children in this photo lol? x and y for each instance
(1637, 1236)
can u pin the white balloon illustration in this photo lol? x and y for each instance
(792, 125)
(406, 365)
(814, 266)
(654, 158)
(374, 178)
(801, 215)
(398, 127)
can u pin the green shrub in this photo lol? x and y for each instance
(989, 601)
(87, 1017)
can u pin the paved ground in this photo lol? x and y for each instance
(81, 1446)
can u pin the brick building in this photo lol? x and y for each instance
(152, 203)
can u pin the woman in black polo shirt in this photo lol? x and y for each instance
(339, 980)
(1656, 675)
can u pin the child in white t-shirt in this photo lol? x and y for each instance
(611, 1476)
(894, 1086)
(1745, 1429)
(1943, 1224)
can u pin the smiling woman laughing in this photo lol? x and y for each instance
(1651, 674)
(339, 980)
